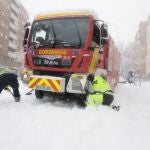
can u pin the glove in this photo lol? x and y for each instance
(86, 88)
(90, 77)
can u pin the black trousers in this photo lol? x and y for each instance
(10, 79)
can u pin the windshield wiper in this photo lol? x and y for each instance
(70, 45)
(64, 43)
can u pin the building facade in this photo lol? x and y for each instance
(136, 55)
(141, 47)
(148, 48)
(139, 50)
(13, 17)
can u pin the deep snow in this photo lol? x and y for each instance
(44, 125)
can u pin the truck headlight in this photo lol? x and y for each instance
(76, 84)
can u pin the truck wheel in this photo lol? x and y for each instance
(39, 94)
(81, 104)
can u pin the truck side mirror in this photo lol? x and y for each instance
(104, 34)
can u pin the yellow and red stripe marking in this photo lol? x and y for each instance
(93, 65)
(51, 83)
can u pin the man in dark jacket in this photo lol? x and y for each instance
(8, 78)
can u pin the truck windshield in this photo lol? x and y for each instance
(59, 33)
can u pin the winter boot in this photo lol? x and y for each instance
(17, 99)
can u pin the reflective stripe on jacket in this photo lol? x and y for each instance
(6, 70)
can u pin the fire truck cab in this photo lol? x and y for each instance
(62, 49)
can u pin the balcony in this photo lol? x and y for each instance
(13, 27)
(16, 56)
(16, 3)
(12, 55)
(12, 46)
(14, 17)
(15, 9)
(12, 35)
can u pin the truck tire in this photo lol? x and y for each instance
(39, 94)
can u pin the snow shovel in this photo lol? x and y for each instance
(30, 92)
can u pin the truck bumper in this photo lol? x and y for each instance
(47, 83)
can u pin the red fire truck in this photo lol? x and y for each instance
(62, 49)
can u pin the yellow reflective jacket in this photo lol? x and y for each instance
(99, 86)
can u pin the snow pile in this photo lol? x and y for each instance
(41, 125)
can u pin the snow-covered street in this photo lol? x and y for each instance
(37, 125)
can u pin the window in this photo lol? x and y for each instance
(110, 57)
(59, 33)
(11, 49)
(14, 2)
(12, 30)
(14, 12)
(12, 40)
(1, 34)
(2, 23)
(96, 35)
(12, 21)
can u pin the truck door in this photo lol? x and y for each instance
(95, 47)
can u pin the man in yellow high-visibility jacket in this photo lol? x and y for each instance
(100, 91)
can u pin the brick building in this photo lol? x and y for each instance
(13, 17)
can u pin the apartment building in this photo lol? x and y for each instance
(141, 45)
(137, 54)
(141, 48)
(13, 17)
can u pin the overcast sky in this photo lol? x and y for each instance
(122, 16)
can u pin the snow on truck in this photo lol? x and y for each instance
(63, 49)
